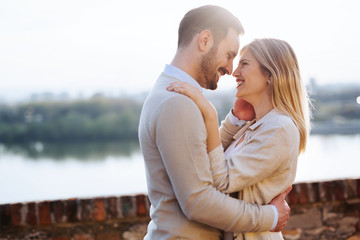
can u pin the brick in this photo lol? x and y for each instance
(83, 237)
(307, 220)
(5, 215)
(113, 235)
(326, 191)
(112, 208)
(44, 213)
(338, 190)
(303, 194)
(141, 210)
(350, 188)
(99, 209)
(315, 192)
(31, 216)
(59, 211)
(137, 231)
(292, 198)
(357, 237)
(291, 234)
(16, 214)
(35, 234)
(60, 238)
(71, 210)
(128, 207)
(87, 209)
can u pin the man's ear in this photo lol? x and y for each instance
(206, 40)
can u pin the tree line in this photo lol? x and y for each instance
(108, 119)
(96, 119)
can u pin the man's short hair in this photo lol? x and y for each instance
(214, 18)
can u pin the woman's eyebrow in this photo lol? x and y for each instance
(244, 59)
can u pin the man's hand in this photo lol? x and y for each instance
(283, 209)
(243, 110)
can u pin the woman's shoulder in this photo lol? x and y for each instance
(281, 121)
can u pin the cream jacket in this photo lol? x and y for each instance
(184, 202)
(265, 165)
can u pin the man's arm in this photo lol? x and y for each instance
(181, 139)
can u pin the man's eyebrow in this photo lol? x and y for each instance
(232, 53)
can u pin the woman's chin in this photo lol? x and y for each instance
(238, 94)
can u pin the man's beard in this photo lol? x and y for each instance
(208, 69)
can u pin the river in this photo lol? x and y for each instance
(40, 171)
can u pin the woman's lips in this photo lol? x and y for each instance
(239, 82)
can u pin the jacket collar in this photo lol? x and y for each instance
(267, 116)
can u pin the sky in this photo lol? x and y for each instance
(84, 46)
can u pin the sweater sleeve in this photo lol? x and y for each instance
(228, 130)
(181, 139)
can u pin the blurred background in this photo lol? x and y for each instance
(74, 75)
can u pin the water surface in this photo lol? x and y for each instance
(41, 171)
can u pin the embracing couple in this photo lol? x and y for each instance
(228, 183)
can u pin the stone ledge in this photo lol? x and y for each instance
(45, 213)
(319, 210)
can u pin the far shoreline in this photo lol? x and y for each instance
(329, 127)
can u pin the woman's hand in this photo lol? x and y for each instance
(205, 106)
(243, 110)
(186, 89)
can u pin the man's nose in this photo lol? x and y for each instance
(229, 68)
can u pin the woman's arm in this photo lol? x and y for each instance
(207, 109)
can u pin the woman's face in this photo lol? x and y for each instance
(251, 80)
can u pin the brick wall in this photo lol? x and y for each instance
(320, 210)
(324, 210)
(123, 217)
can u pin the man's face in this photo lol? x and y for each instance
(218, 61)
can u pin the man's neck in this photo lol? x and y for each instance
(186, 62)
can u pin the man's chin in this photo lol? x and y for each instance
(213, 87)
(214, 83)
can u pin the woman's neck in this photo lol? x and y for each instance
(262, 107)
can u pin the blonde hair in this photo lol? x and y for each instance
(287, 90)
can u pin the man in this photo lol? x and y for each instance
(184, 202)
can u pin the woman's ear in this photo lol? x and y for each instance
(269, 77)
(206, 40)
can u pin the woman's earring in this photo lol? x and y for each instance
(268, 81)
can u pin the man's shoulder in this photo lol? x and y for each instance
(160, 100)
(181, 104)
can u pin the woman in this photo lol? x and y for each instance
(261, 154)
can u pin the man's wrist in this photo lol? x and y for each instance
(276, 218)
